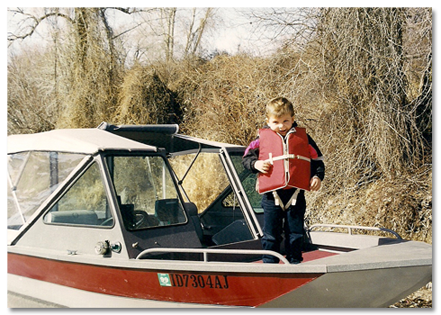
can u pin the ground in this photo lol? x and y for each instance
(419, 299)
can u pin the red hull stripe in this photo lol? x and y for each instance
(187, 287)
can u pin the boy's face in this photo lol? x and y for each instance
(281, 124)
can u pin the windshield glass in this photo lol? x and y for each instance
(204, 180)
(84, 203)
(146, 193)
(248, 180)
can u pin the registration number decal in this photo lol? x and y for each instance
(193, 281)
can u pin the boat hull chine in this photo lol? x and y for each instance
(357, 289)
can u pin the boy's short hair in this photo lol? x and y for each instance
(279, 106)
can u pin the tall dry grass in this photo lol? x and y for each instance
(144, 98)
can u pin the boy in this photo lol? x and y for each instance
(284, 208)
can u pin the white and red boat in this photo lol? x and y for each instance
(99, 218)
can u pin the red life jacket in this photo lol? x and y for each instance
(290, 158)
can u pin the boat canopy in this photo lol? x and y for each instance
(87, 141)
(164, 136)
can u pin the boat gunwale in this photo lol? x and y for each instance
(336, 263)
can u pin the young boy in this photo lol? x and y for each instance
(284, 208)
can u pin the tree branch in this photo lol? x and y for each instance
(35, 22)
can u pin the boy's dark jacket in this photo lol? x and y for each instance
(252, 155)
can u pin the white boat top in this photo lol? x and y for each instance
(86, 141)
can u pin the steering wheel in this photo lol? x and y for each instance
(104, 223)
(140, 217)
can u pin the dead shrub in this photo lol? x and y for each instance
(145, 99)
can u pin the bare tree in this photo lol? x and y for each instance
(195, 32)
(168, 18)
(87, 61)
(291, 27)
(174, 33)
(364, 54)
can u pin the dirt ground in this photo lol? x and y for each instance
(419, 299)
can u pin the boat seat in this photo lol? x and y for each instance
(167, 211)
(83, 217)
(192, 211)
(128, 215)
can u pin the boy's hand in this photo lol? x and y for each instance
(315, 184)
(262, 166)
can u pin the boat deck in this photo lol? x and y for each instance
(311, 255)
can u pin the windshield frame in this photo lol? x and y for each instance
(236, 182)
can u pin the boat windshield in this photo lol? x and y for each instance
(146, 193)
(84, 203)
(248, 180)
(32, 177)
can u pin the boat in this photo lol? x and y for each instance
(105, 217)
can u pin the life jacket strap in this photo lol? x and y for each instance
(291, 202)
(285, 157)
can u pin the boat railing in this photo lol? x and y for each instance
(350, 228)
(206, 251)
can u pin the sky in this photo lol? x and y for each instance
(232, 32)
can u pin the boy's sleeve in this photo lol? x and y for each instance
(251, 155)
(317, 164)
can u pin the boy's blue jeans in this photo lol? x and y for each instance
(276, 221)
